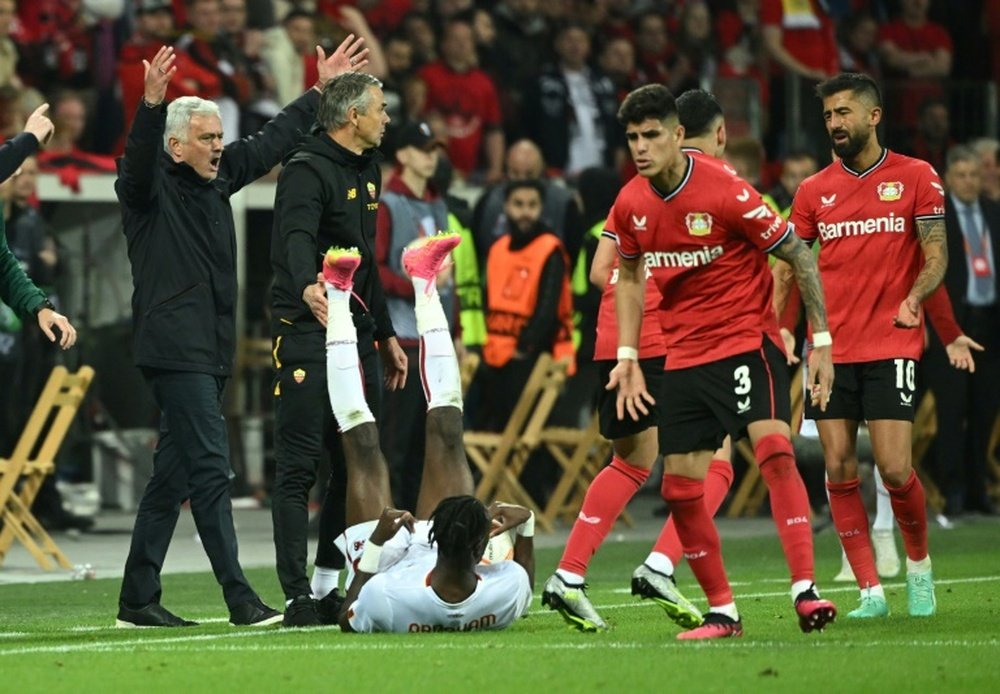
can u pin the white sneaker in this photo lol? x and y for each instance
(886, 555)
(846, 574)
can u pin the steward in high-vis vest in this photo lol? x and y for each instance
(468, 287)
(529, 307)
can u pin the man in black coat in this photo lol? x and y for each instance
(967, 402)
(181, 240)
(327, 195)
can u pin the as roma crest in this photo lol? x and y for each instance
(299, 375)
(890, 191)
(371, 189)
(699, 223)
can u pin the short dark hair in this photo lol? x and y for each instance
(514, 186)
(460, 526)
(297, 13)
(697, 110)
(648, 101)
(854, 82)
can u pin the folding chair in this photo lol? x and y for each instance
(500, 457)
(752, 491)
(34, 458)
(580, 453)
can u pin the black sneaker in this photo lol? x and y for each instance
(253, 614)
(301, 612)
(329, 607)
(152, 615)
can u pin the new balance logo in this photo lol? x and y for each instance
(639, 223)
(592, 520)
(761, 212)
(796, 520)
(743, 406)
(861, 227)
(695, 555)
(744, 196)
(828, 200)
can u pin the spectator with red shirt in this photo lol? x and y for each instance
(912, 46)
(154, 27)
(799, 38)
(289, 52)
(64, 154)
(654, 54)
(932, 140)
(858, 38)
(467, 98)
(741, 45)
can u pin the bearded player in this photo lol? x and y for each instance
(879, 216)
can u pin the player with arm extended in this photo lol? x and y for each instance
(428, 578)
(704, 234)
(635, 442)
(878, 215)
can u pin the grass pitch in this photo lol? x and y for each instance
(57, 637)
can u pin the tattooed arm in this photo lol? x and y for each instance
(799, 256)
(795, 253)
(934, 245)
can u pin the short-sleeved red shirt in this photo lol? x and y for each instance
(705, 243)
(807, 32)
(468, 101)
(869, 255)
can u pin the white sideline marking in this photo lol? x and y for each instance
(361, 644)
(168, 643)
(824, 591)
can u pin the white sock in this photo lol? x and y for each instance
(875, 591)
(569, 577)
(439, 370)
(660, 563)
(918, 567)
(729, 609)
(884, 517)
(799, 587)
(344, 381)
(324, 581)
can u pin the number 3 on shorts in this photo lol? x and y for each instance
(906, 374)
(742, 376)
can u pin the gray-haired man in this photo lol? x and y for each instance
(328, 195)
(174, 184)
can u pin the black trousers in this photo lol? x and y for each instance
(967, 406)
(304, 426)
(402, 433)
(191, 461)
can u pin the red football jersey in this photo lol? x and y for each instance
(869, 252)
(705, 243)
(651, 342)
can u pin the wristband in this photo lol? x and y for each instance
(822, 339)
(527, 528)
(370, 558)
(628, 353)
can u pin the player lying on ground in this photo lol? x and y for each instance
(414, 576)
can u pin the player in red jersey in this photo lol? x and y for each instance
(635, 442)
(879, 218)
(704, 234)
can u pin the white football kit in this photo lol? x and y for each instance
(400, 599)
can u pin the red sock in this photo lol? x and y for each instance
(851, 521)
(702, 547)
(607, 496)
(910, 509)
(717, 483)
(789, 503)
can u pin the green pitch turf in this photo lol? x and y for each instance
(55, 637)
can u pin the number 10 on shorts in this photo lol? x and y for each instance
(906, 374)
